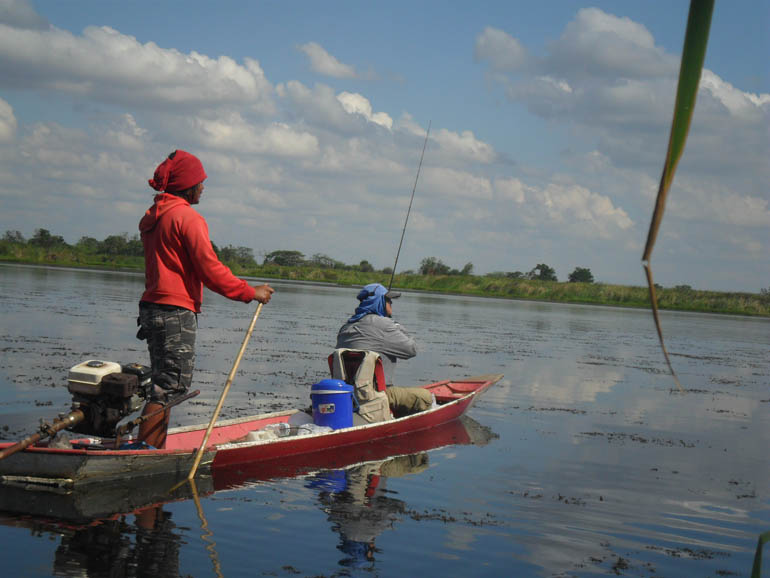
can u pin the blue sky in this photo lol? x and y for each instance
(549, 123)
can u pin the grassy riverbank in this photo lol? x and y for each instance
(679, 298)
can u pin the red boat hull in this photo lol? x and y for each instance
(227, 449)
(340, 439)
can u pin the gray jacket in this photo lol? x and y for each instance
(381, 334)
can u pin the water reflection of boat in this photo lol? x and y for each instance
(84, 505)
(97, 537)
(356, 498)
(359, 506)
(109, 543)
(461, 431)
(84, 464)
(87, 504)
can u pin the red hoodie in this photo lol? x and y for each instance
(179, 259)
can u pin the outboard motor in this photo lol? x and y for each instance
(103, 393)
(106, 392)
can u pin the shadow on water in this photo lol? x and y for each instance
(126, 528)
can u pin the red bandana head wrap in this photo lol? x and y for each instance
(178, 172)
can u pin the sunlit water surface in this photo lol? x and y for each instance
(591, 462)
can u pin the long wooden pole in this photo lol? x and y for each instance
(222, 397)
(211, 546)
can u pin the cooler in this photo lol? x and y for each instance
(332, 403)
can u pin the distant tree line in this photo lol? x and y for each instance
(115, 245)
(433, 266)
(542, 272)
(242, 256)
(124, 245)
(125, 252)
(285, 258)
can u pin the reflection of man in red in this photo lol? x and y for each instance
(106, 548)
(157, 547)
(179, 261)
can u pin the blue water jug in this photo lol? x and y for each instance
(332, 403)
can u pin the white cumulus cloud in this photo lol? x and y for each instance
(106, 65)
(8, 122)
(232, 132)
(596, 43)
(324, 63)
(321, 107)
(582, 210)
(465, 145)
(20, 14)
(511, 189)
(450, 182)
(608, 81)
(354, 103)
(125, 134)
(737, 102)
(502, 50)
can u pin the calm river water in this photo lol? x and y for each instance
(584, 460)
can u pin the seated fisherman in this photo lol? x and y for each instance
(372, 328)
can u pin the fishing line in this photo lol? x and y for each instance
(409, 210)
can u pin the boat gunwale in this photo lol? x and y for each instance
(380, 424)
(484, 381)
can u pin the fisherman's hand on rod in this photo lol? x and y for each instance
(262, 293)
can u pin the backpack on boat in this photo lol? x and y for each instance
(363, 370)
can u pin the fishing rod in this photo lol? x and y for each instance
(409, 210)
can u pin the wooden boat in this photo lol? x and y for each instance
(83, 505)
(86, 462)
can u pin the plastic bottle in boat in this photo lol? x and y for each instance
(311, 428)
(280, 429)
(269, 432)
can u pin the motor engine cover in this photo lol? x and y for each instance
(120, 385)
(86, 377)
(106, 395)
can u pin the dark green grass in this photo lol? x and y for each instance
(681, 298)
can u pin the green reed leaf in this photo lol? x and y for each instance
(756, 569)
(693, 55)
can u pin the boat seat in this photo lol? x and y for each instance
(363, 370)
(351, 363)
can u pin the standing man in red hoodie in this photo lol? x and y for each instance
(179, 260)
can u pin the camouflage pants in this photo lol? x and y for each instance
(170, 333)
